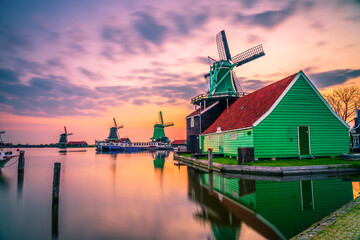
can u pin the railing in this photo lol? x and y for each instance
(204, 96)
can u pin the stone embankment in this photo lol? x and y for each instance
(341, 224)
(262, 170)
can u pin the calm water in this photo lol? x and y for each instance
(145, 196)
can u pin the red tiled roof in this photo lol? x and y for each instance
(246, 110)
(196, 112)
(178, 142)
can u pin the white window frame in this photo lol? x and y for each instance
(211, 138)
(192, 122)
(233, 136)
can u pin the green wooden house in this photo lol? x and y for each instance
(288, 118)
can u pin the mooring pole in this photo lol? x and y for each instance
(21, 163)
(210, 159)
(55, 202)
(56, 181)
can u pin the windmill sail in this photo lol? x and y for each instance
(248, 55)
(223, 47)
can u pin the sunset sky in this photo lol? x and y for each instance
(81, 63)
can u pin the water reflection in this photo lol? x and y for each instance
(55, 219)
(4, 182)
(290, 207)
(159, 162)
(226, 216)
(356, 189)
(119, 196)
(20, 183)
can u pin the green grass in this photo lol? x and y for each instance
(303, 162)
(283, 162)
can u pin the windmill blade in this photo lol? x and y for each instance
(237, 85)
(2, 132)
(121, 126)
(222, 46)
(65, 130)
(115, 122)
(169, 124)
(211, 61)
(249, 55)
(161, 118)
(207, 77)
(68, 134)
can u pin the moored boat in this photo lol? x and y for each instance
(5, 156)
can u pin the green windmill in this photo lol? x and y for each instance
(63, 138)
(159, 133)
(222, 79)
(114, 135)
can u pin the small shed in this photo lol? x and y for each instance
(180, 145)
(288, 118)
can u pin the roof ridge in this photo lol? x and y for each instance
(244, 111)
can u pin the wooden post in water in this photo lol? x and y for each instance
(21, 163)
(55, 202)
(56, 182)
(210, 159)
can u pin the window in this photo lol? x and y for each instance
(211, 137)
(356, 141)
(233, 136)
(192, 122)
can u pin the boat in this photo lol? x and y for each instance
(5, 156)
(114, 143)
(131, 146)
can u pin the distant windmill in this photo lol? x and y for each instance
(222, 78)
(63, 138)
(159, 133)
(114, 135)
(1, 140)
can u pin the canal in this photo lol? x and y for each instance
(145, 196)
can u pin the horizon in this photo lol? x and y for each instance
(79, 64)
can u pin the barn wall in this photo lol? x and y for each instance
(244, 138)
(277, 134)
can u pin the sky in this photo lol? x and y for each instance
(80, 63)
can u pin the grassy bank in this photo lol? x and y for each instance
(283, 162)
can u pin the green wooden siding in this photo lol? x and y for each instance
(244, 138)
(228, 146)
(208, 143)
(277, 134)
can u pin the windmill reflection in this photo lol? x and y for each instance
(159, 162)
(113, 164)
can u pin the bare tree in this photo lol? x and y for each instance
(344, 101)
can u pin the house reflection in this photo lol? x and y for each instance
(265, 206)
